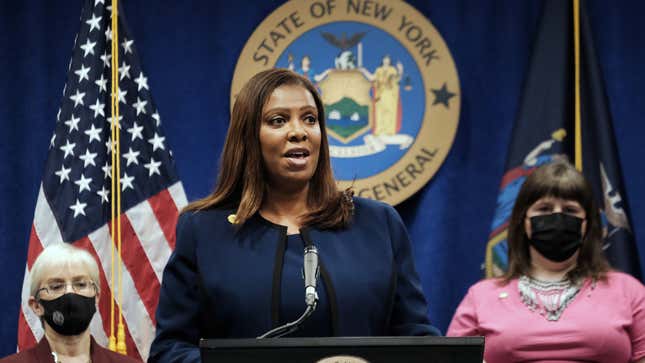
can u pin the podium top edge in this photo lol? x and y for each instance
(341, 341)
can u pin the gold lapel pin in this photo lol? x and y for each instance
(232, 219)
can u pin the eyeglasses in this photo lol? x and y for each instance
(58, 288)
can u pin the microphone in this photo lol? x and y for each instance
(310, 271)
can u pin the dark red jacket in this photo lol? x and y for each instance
(41, 353)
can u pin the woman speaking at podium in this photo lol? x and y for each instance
(237, 268)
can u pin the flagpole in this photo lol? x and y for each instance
(113, 98)
(120, 342)
(578, 126)
(116, 344)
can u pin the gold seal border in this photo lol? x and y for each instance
(437, 133)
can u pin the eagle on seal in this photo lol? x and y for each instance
(345, 59)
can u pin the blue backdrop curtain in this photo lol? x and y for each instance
(189, 51)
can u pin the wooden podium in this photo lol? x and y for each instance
(344, 350)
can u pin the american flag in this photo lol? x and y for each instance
(73, 203)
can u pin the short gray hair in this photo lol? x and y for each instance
(58, 255)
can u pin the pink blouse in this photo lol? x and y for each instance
(605, 323)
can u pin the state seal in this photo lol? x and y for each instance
(387, 80)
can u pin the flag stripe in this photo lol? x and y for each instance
(30, 319)
(35, 247)
(134, 312)
(44, 222)
(25, 335)
(97, 330)
(44, 225)
(178, 195)
(137, 263)
(149, 232)
(104, 301)
(161, 208)
(30, 328)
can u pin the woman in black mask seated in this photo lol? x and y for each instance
(559, 300)
(64, 294)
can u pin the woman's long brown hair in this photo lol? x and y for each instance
(558, 179)
(242, 179)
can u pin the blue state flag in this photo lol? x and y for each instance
(544, 131)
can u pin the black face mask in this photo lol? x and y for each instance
(69, 314)
(556, 236)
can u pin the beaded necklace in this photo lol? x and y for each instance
(549, 298)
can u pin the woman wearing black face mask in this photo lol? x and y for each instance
(64, 294)
(559, 300)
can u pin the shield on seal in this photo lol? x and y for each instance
(348, 105)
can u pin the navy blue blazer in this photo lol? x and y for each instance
(225, 283)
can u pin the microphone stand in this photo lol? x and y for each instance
(310, 274)
(291, 327)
